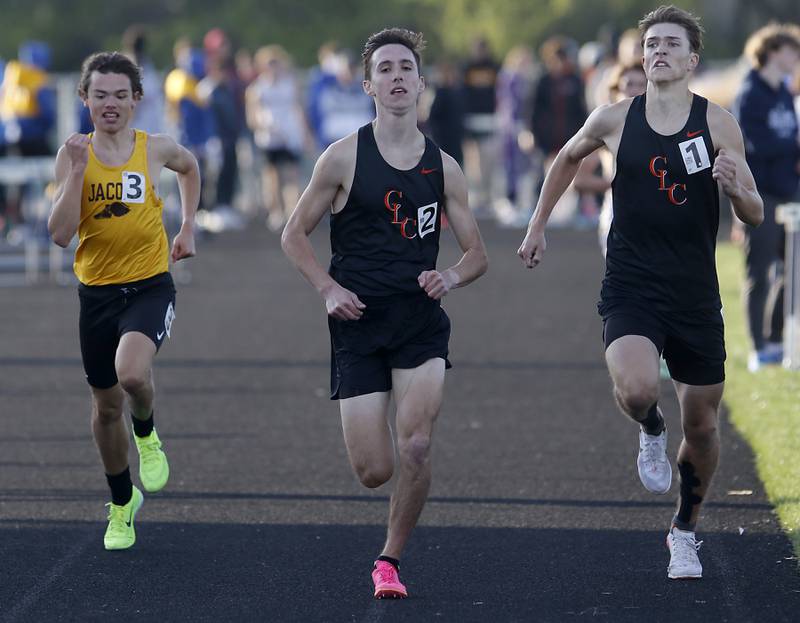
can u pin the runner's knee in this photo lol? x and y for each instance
(702, 434)
(373, 476)
(133, 381)
(415, 450)
(107, 412)
(637, 396)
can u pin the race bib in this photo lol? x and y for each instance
(426, 219)
(133, 187)
(695, 155)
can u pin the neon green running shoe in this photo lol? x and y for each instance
(120, 533)
(153, 466)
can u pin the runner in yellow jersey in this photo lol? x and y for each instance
(106, 192)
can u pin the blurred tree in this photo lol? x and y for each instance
(76, 28)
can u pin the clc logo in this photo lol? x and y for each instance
(661, 174)
(394, 208)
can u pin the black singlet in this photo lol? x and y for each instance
(388, 231)
(666, 215)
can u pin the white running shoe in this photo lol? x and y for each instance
(655, 471)
(683, 561)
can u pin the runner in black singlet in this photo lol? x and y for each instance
(387, 187)
(660, 294)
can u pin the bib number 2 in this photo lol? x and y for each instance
(426, 219)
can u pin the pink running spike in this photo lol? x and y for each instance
(387, 582)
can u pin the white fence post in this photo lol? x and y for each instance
(789, 215)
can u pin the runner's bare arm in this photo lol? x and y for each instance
(603, 122)
(179, 159)
(474, 262)
(71, 164)
(731, 169)
(317, 200)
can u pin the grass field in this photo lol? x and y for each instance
(764, 407)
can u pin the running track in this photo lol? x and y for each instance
(536, 512)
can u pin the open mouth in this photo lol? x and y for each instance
(660, 64)
(398, 91)
(110, 116)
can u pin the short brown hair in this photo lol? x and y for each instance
(410, 39)
(770, 38)
(670, 14)
(110, 63)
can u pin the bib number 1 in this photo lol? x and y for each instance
(695, 155)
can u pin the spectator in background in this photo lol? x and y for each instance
(337, 104)
(149, 112)
(275, 116)
(249, 195)
(765, 110)
(28, 104)
(325, 70)
(559, 106)
(187, 110)
(479, 84)
(27, 116)
(326, 60)
(627, 50)
(219, 51)
(446, 116)
(514, 86)
(245, 67)
(216, 90)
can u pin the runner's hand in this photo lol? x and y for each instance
(436, 284)
(532, 248)
(77, 146)
(724, 172)
(343, 304)
(183, 245)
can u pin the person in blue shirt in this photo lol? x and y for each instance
(765, 111)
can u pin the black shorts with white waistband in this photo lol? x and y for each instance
(108, 312)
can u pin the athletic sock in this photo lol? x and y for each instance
(682, 525)
(653, 424)
(392, 561)
(121, 487)
(142, 428)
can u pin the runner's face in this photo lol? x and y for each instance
(786, 58)
(632, 83)
(394, 80)
(110, 101)
(667, 54)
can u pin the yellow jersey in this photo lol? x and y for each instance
(121, 236)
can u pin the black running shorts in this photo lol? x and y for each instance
(108, 312)
(692, 343)
(402, 331)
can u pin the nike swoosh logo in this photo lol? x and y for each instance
(160, 335)
(128, 523)
(693, 134)
(427, 171)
